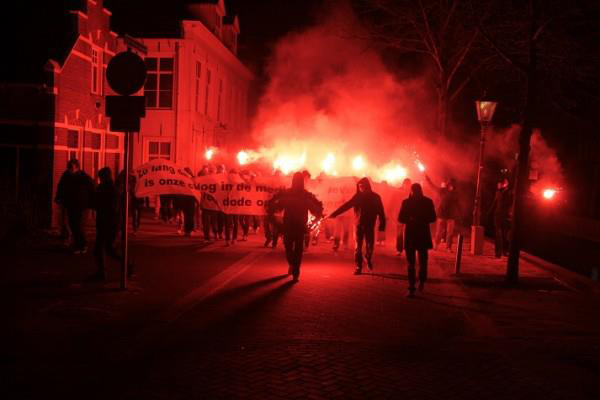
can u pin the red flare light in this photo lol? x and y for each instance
(549, 194)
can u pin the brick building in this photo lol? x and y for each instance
(56, 111)
(52, 101)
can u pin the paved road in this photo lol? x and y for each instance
(215, 322)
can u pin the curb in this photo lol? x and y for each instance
(569, 278)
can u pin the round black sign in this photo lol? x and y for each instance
(126, 73)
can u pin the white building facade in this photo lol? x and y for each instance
(196, 90)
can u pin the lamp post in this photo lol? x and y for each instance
(485, 112)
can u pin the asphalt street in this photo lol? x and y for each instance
(209, 321)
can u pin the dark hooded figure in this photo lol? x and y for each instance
(295, 203)
(417, 212)
(367, 208)
(107, 220)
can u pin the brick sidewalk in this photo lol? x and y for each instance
(215, 322)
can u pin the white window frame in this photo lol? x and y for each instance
(159, 140)
(96, 70)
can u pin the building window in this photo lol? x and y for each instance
(73, 144)
(206, 96)
(219, 98)
(159, 83)
(96, 72)
(159, 150)
(198, 75)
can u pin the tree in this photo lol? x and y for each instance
(543, 42)
(443, 32)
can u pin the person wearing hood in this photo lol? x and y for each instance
(107, 221)
(367, 208)
(417, 212)
(447, 211)
(295, 203)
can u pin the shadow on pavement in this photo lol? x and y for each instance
(223, 328)
(238, 291)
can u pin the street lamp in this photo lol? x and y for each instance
(485, 112)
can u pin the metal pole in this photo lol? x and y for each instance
(477, 232)
(459, 247)
(477, 208)
(125, 214)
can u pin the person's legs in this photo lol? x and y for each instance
(439, 231)
(228, 225)
(297, 250)
(205, 224)
(99, 251)
(244, 221)
(338, 231)
(411, 259)
(449, 233)
(288, 243)
(358, 259)
(423, 258)
(75, 216)
(188, 217)
(399, 238)
(370, 245)
(499, 239)
(220, 223)
(267, 224)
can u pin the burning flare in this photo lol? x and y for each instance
(358, 163)
(243, 157)
(328, 164)
(420, 166)
(209, 153)
(549, 193)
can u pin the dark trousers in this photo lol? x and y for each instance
(105, 239)
(244, 221)
(231, 227)
(136, 211)
(76, 219)
(411, 257)
(220, 223)
(501, 235)
(367, 235)
(272, 230)
(400, 238)
(188, 216)
(294, 246)
(209, 221)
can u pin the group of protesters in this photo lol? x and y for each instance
(291, 214)
(77, 195)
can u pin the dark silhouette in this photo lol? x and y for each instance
(367, 208)
(74, 192)
(500, 210)
(107, 220)
(447, 211)
(417, 212)
(295, 202)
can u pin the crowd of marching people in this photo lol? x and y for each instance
(293, 216)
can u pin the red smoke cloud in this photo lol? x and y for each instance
(329, 94)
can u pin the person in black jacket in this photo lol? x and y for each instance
(107, 220)
(417, 212)
(367, 208)
(74, 192)
(295, 202)
(501, 212)
(447, 211)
